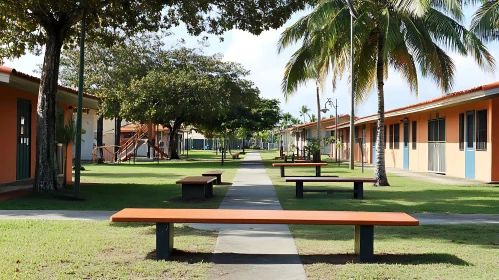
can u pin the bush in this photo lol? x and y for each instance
(255, 147)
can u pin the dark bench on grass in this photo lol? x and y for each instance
(216, 173)
(199, 187)
(236, 155)
(364, 222)
(358, 184)
(317, 166)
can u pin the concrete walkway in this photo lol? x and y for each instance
(254, 251)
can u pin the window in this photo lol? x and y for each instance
(481, 130)
(386, 139)
(390, 137)
(414, 135)
(363, 133)
(396, 135)
(461, 131)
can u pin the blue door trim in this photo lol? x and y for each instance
(469, 145)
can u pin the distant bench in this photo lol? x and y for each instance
(216, 173)
(317, 166)
(197, 187)
(364, 222)
(358, 184)
(236, 155)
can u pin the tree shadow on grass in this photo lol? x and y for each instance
(336, 259)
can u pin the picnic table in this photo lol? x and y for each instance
(358, 184)
(317, 166)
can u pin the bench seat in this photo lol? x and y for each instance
(358, 184)
(364, 222)
(236, 155)
(317, 166)
(216, 173)
(197, 187)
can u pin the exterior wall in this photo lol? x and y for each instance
(89, 124)
(494, 134)
(485, 168)
(8, 122)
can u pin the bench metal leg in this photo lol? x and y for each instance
(282, 171)
(358, 190)
(364, 243)
(318, 171)
(208, 188)
(299, 189)
(164, 240)
(193, 191)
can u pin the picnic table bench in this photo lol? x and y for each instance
(236, 155)
(364, 222)
(317, 166)
(358, 184)
(197, 187)
(216, 173)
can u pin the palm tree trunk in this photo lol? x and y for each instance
(380, 170)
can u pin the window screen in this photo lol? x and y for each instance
(414, 135)
(391, 136)
(461, 131)
(481, 130)
(396, 135)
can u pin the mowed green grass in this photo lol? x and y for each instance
(117, 186)
(424, 252)
(99, 250)
(403, 195)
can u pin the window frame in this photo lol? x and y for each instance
(481, 144)
(396, 136)
(414, 134)
(461, 131)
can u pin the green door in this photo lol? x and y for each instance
(23, 139)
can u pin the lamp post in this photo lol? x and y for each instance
(353, 14)
(335, 106)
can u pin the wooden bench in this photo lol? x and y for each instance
(364, 222)
(358, 184)
(236, 155)
(317, 166)
(197, 187)
(216, 173)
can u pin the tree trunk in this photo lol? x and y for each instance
(117, 136)
(172, 148)
(380, 170)
(45, 170)
(100, 128)
(317, 154)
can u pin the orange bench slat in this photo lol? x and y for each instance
(233, 216)
(300, 164)
(196, 180)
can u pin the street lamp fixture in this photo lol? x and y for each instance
(335, 106)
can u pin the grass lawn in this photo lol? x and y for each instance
(113, 187)
(403, 195)
(99, 250)
(424, 252)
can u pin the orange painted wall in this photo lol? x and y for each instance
(494, 148)
(8, 122)
(485, 168)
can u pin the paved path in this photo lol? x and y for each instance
(254, 251)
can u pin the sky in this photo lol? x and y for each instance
(259, 55)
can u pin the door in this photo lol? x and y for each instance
(373, 141)
(406, 145)
(469, 145)
(23, 164)
(436, 145)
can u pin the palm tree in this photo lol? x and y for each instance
(485, 22)
(313, 118)
(304, 111)
(403, 34)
